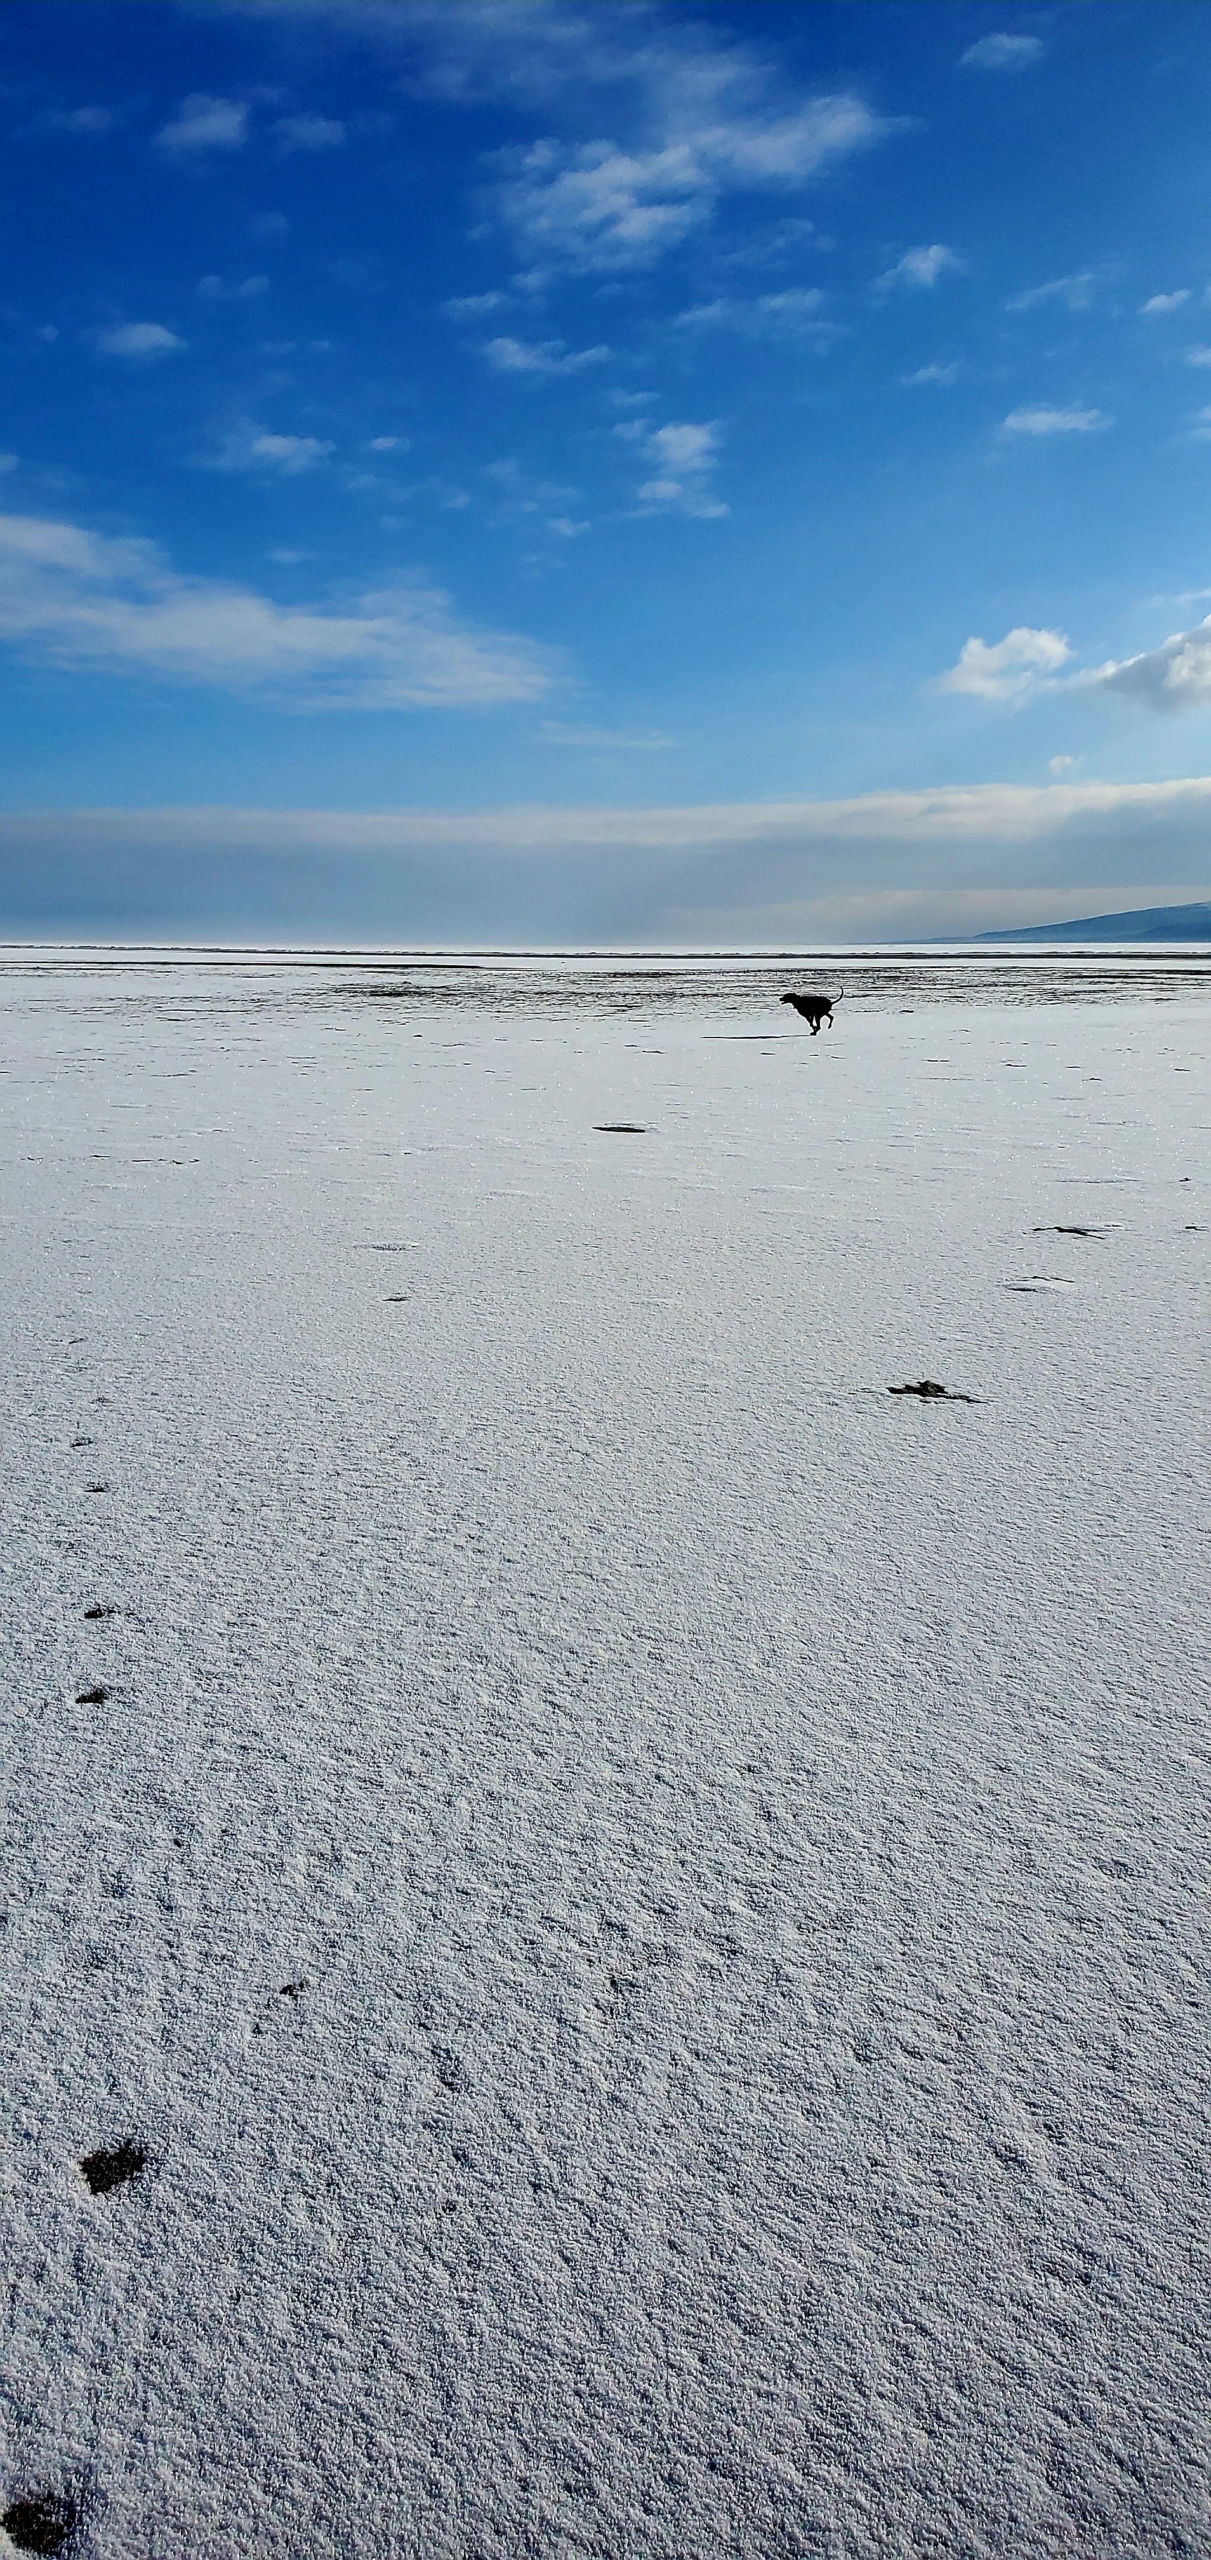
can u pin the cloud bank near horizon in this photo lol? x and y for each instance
(882, 865)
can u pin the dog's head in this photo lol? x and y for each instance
(788, 999)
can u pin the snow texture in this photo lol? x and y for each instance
(636, 1894)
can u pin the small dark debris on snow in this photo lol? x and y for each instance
(1068, 1231)
(101, 1609)
(92, 1697)
(399, 1301)
(84, 1441)
(105, 2169)
(291, 1990)
(39, 2523)
(96, 1488)
(621, 1128)
(930, 1387)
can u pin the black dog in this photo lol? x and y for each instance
(815, 1009)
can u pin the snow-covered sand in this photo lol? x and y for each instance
(640, 1892)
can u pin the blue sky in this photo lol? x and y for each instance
(564, 467)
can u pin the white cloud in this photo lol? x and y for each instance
(138, 340)
(794, 314)
(1061, 764)
(569, 528)
(1198, 356)
(213, 289)
(1003, 53)
(84, 599)
(309, 133)
(472, 306)
(1010, 670)
(599, 207)
(203, 123)
(251, 448)
(941, 374)
(558, 733)
(683, 457)
(1054, 422)
(694, 112)
(387, 444)
(1075, 292)
(920, 268)
(513, 355)
(1159, 305)
(1175, 677)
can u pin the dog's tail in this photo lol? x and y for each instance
(837, 999)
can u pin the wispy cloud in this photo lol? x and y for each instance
(1003, 53)
(598, 207)
(1198, 356)
(1008, 670)
(309, 133)
(473, 306)
(514, 355)
(682, 458)
(689, 113)
(941, 374)
(246, 447)
(1054, 422)
(202, 124)
(1159, 305)
(139, 341)
(796, 314)
(558, 733)
(920, 268)
(88, 120)
(213, 289)
(1074, 292)
(83, 599)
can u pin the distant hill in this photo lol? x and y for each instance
(1143, 924)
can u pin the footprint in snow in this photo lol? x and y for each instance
(286, 1991)
(103, 2170)
(931, 1387)
(1039, 1283)
(41, 2522)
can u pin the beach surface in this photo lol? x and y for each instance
(620, 1906)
